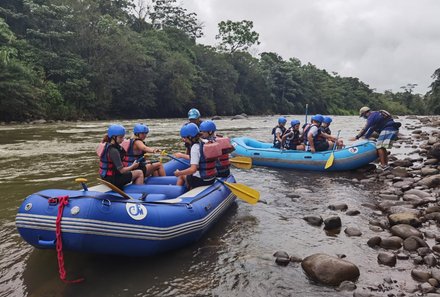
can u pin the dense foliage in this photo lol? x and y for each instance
(97, 59)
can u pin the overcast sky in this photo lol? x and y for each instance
(385, 43)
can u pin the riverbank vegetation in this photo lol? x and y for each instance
(99, 59)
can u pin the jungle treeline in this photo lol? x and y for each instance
(103, 59)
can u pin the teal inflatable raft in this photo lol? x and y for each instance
(264, 154)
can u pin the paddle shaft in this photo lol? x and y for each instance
(336, 141)
(307, 110)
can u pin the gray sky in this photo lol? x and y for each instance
(385, 43)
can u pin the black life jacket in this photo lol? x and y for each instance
(106, 166)
(283, 130)
(292, 140)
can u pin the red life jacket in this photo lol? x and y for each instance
(130, 157)
(106, 166)
(223, 163)
(207, 168)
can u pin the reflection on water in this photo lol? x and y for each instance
(233, 259)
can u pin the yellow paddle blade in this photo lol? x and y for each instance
(81, 180)
(115, 188)
(243, 192)
(330, 160)
(241, 162)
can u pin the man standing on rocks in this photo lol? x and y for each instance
(381, 122)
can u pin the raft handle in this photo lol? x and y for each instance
(307, 157)
(106, 202)
(256, 154)
(46, 243)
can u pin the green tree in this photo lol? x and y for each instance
(236, 36)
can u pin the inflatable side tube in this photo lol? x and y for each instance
(161, 180)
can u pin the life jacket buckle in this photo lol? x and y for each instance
(53, 201)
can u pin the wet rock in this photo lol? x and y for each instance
(391, 243)
(418, 260)
(420, 275)
(432, 209)
(329, 270)
(420, 193)
(435, 273)
(352, 212)
(430, 181)
(352, 231)
(347, 286)
(340, 206)
(303, 191)
(402, 163)
(435, 150)
(429, 171)
(388, 259)
(295, 259)
(404, 218)
(423, 251)
(374, 241)
(333, 222)
(238, 117)
(389, 197)
(433, 216)
(313, 220)
(430, 260)
(431, 161)
(216, 117)
(409, 208)
(404, 231)
(402, 256)
(417, 132)
(375, 228)
(282, 258)
(433, 282)
(400, 172)
(412, 243)
(426, 288)
(436, 248)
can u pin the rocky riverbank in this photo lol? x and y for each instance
(404, 217)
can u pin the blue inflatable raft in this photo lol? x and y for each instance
(160, 216)
(265, 154)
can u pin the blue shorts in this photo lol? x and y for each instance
(386, 139)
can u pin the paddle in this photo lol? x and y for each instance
(239, 162)
(307, 109)
(243, 192)
(331, 159)
(115, 188)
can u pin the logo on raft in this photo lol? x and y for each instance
(136, 211)
(353, 150)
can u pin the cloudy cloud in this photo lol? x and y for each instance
(386, 44)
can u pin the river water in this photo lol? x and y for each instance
(233, 259)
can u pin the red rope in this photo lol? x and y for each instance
(63, 200)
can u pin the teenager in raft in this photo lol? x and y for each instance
(202, 170)
(136, 148)
(111, 158)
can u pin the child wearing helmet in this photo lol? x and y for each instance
(313, 137)
(278, 132)
(291, 139)
(194, 116)
(111, 158)
(136, 148)
(325, 129)
(202, 171)
(208, 132)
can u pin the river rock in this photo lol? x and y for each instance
(388, 259)
(429, 171)
(435, 273)
(420, 193)
(352, 231)
(400, 172)
(430, 260)
(431, 209)
(389, 197)
(435, 150)
(436, 248)
(374, 241)
(238, 117)
(282, 258)
(391, 243)
(420, 275)
(216, 118)
(412, 243)
(404, 218)
(329, 270)
(313, 220)
(431, 161)
(402, 163)
(404, 231)
(423, 251)
(430, 181)
(333, 222)
(352, 212)
(340, 206)
(347, 286)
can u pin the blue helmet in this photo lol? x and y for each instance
(193, 114)
(327, 120)
(189, 130)
(282, 120)
(318, 118)
(140, 128)
(207, 126)
(294, 122)
(115, 130)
